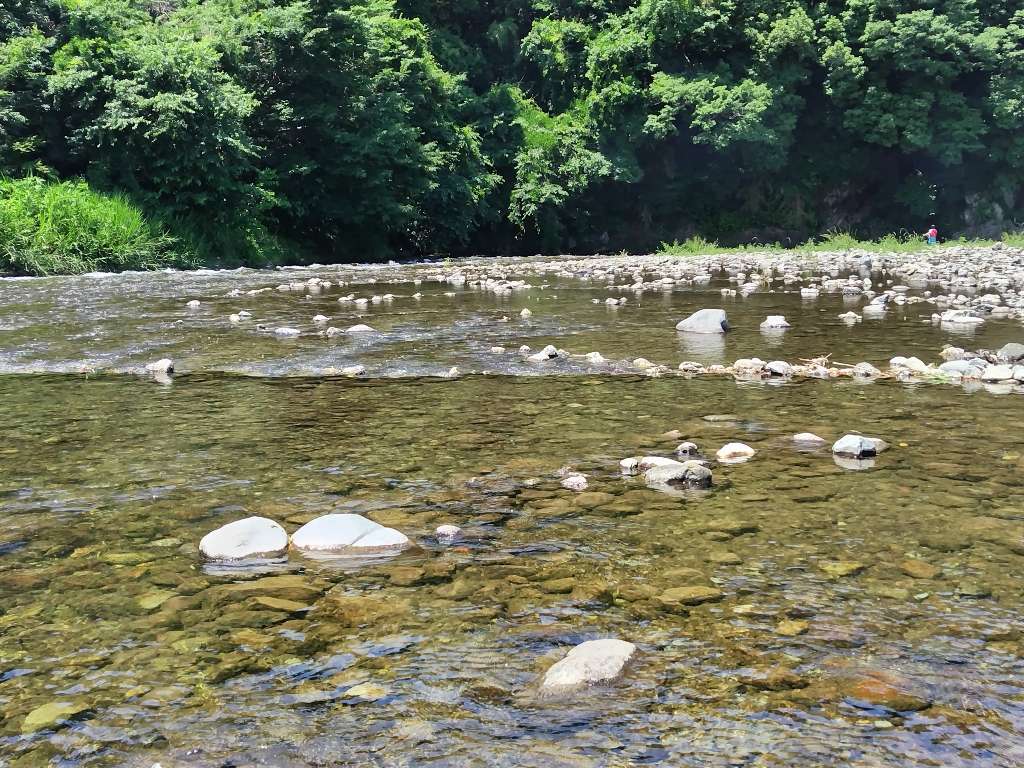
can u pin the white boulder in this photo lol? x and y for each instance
(253, 538)
(161, 366)
(705, 321)
(360, 328)
(347, 533)
(734, 453)
(774, 321)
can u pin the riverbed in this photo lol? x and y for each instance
(855, 617)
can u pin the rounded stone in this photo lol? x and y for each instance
(734, 453)
(246, 539)
(340, 533)
(594, 661)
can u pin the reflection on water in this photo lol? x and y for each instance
(703, 348)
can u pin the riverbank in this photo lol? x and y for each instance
(49, 229)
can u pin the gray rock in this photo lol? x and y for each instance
(705, 321)
(779, 368)
(687, 474)
(1012, 352)
(595, 661)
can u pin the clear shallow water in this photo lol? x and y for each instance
(108, 482)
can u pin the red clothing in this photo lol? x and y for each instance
(933, 232)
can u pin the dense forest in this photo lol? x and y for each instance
(252, 130)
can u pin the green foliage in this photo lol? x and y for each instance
(257, 131)
(66, 228)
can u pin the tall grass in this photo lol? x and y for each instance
(50, 228)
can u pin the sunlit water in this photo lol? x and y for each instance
(108, 481)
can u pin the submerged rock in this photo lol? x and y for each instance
(51, 714)
(705, 321)
(447, 533)
(247, 539)
(347, 533)
(594, 661)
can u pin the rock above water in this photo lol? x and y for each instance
(774, 321)
(250, 538)
(360, 328)
(705, 321)
(595, 661)
(997, 373)
(161, 366)
(858, 446)
(686, 474)
(808, 438)
(1012, 352)
(734, 453)
(340, 533)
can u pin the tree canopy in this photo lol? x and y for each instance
(375, 128)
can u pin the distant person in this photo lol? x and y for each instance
(933, 235)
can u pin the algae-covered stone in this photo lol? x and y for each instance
(919, 569)
(695, 595)
(840, 568)
(155, 599)
(51, 714)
